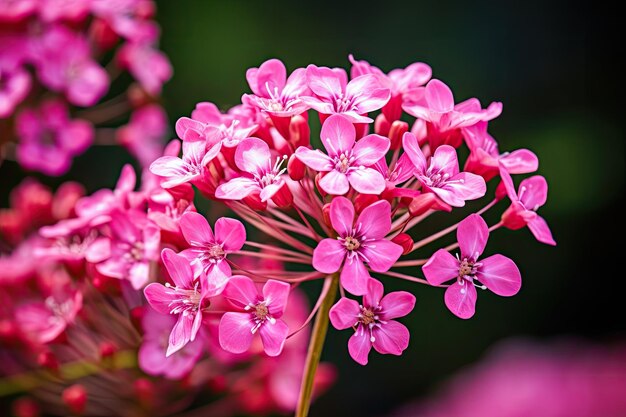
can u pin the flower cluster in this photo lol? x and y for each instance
(344, 207)
(51, 64)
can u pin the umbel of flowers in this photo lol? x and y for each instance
(344, 207)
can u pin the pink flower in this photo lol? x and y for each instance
(233, 126)
(256, 312)
(401, 82)
(143, 135)
(496, 273)
(347, 163)
(71, 239)
(152, 359)
(260, 175)
(333, 94)
(208, 251)
(484, 158)
(356, 243)
(441, 175)
(185, 299)
(443, 118)
(127, 254)
(373, 322)
(68, 10)
(197, 154)
(274, 93)
(66, 66)
(149, 66)
(14, 87)
(533, 193)
(49, 139)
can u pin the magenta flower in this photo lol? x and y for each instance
(66, 66)
(134, 244)
(274, 93)
(441, 175)
(190, 168)
(185, 299)
(260, 175)
(154, 345)
(484, 158)
(256, 312)
(373, 322)
(233, 126)
(333, 94)
(143, 135)
(356, 243)
(496, 273)
(149, 66)
(533, 193)
(435, 106)
(14, 87)
(208, 251)
(49, 139)
(347, 163)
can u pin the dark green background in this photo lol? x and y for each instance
(550, 66)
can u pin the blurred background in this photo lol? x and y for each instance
(548, 64)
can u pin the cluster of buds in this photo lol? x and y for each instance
(57, 57)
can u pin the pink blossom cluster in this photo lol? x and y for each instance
(207, 295)
(59, 56)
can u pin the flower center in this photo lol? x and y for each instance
(261, 311)
(367, 316)
(343, 162)
(260, 314)
(215, 253)
(188, 300)
(351, 243)
(467, 268)
(344, 103)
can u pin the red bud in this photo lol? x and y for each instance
(326, 215)
(254, 201)
(405, 241)
(75, 398)
(364, 200)
(144, 389)
(295, 168)
(381, 125)
(397, 130)
(25, 407)
(283, 198)
(501, 191)
(427, 201)
(299, 132)
(318, 177)
(48, 360)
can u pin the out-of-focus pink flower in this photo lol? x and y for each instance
(68, 10)
(134, 243)
(401, 82)
(435, 106)
(261, 176)
(333, 94)
(373, 322)
(128, 18)
(43, 321)
(363, 241)
(184, 299)
(49, 139)
(148, 65)
(152, 359)
(208, 251)
(16, 10)
(532, 194)
(14, 86)
(347, 163)
(255, 312)
(70, 240)
(496, 273)
(143, 135)
(274, 93)
(484, 158)
(65, 65)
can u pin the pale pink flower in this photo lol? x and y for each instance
(143, 135)
(234, 126)
(14, 87)
(441, 174)
(208, 251)
(274, 93)
(356, 243)
(49, 139)
(151, 356)
(373, 322)
(347, 163)
(127, 254)
(185, 299)
(435, 106)
(401, 82)
(496, 273)
(255, 313)
(148, 65)
(66, 66)
(532, 194)
(484, 158)
(100, 204)
(70, 240)
(260, 174)
(333, 94)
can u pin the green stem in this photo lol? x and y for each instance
(316, 345)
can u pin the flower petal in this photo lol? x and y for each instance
(472, 235)
(412, 149)
(241, 291)
(359, 346)
(338, 135)
(160, 297)
(328, 256)
(367, 181)
(273, 336)
(335, 183)
(237, 188)
(374, 222)
(369, 149)
(397, 304)
(344, 313)
(439, 97)
(445, 160)
(181, 334)
(354, 276)
(178, 268)
(374, 293)
(500, 275)
(381, 254)
(533, 192)
(441, 267)
(461, 299)
(521, 161)
(253, 156)
(230, 233)
(235, 332)
(196, 229)
(541, 231)
(314, 159)
(275, 294)
(324, 82)
(391, 338)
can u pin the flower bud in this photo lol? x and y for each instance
(299, 131)
(381, 125)
(397, 130)
(144, 390)
(364, 200)
(283, 197)
(75, 398)
(253, 201)
(326, 215)
(48, 360)
(501, 191)
(318, 177)
(405, 241)
(25, 407)
(295, 168)
(102, 35)
(427, 201)
(107, 350)
(362, 129)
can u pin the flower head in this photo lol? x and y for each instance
(496, 273)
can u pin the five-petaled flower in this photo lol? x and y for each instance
(496, 273)
(356, 243)
(373, 322)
